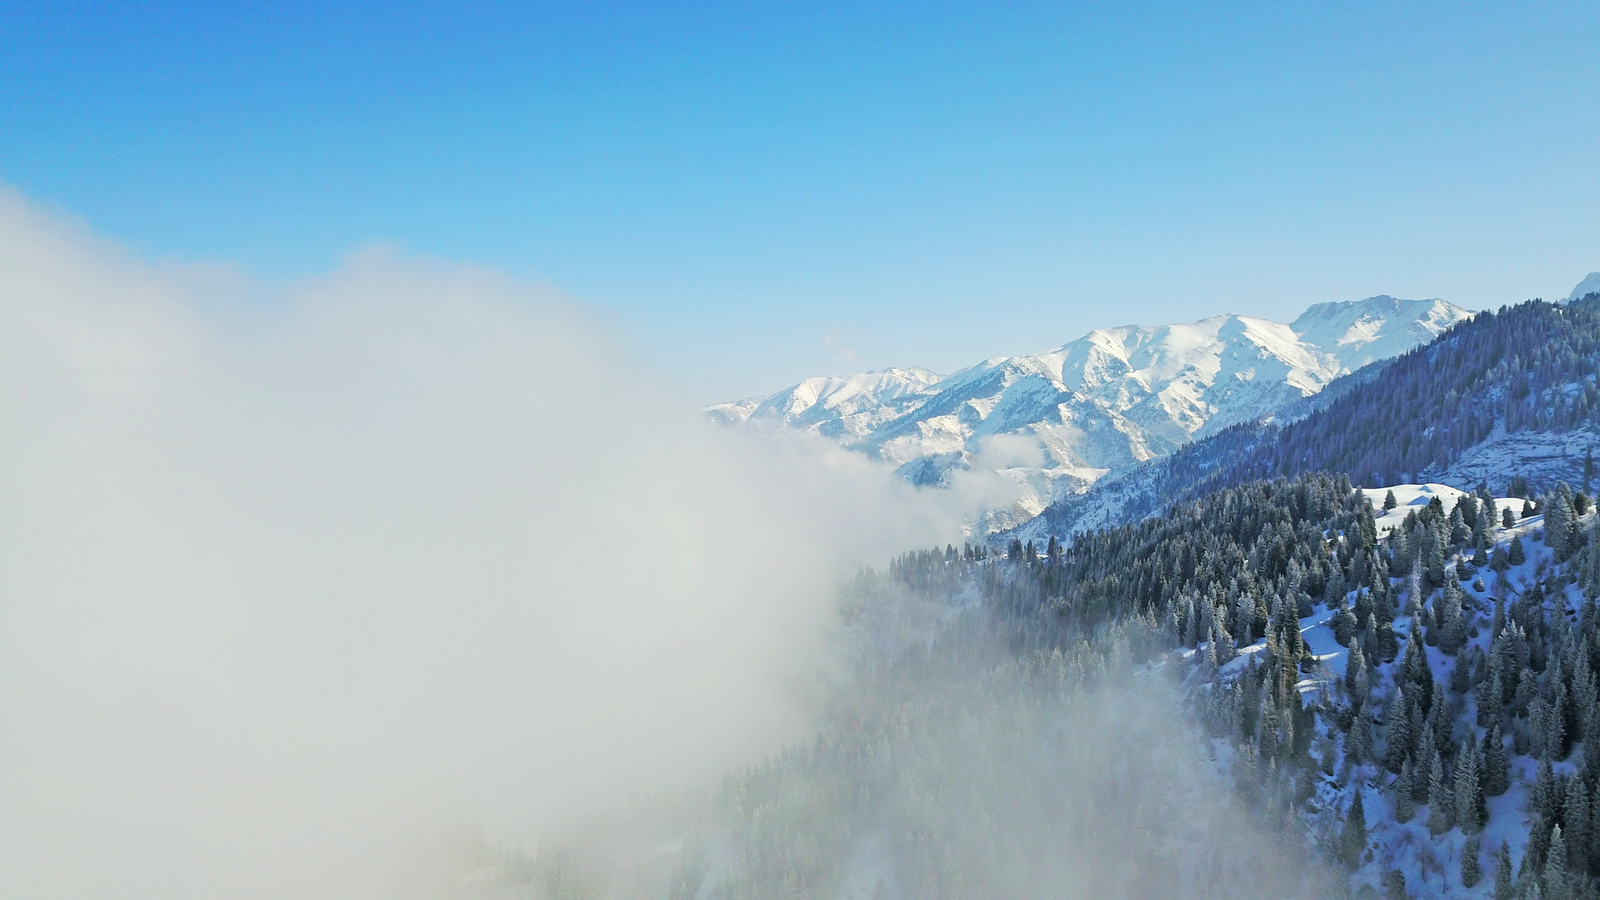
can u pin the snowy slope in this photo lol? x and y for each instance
(1110, 399)
(845, 408)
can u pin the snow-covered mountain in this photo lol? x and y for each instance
(1054, 422)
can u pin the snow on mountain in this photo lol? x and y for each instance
(845, 408)
(1376, 328)
(1587, 286)
(1055, 422)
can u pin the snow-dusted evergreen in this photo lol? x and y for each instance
(1057, 421)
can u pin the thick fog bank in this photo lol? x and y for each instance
(291, 580)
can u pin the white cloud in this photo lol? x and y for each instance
(288, 579)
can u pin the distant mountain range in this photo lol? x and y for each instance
(1056, 422)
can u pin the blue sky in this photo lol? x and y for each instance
(757, 193)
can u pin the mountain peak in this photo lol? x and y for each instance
(1586, 287)
(1358, 332)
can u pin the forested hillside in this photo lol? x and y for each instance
(1190, 706)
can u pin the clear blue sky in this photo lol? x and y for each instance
(761, 193)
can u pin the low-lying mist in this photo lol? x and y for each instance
(965, 760)
(292, 580)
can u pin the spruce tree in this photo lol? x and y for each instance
(1404, 806)
(1543, 799)
(1461, 675)
(1432, 541)
(1359, 743)
(1575, 817)
(1389, 502)
(1498, 560)
(1470, 809)
(1459, 530)
(1503, 887)
(1470, 871)
(1488, 693)
(1516, 556)
(1353, 842)
(1560, 522)
(1398, 733)
(1557, 881)
(1452, 622)
(1496, 764)
(1441, 798)
(1355, 672)
(1555, 726)
(1508, 519)
(1344, 626)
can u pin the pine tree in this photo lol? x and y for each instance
(1344, 626)
(1503, 888)
(1470, 809)
(1487, 693)
(1508, 519)
(1461, 675)
(1452, 623)
(1516, 556)
(1355, 673)
(1389, 502)
(1543, 799)
(1432, 543)
(1498, 560)
(1353, 842)
(1496, 764)
(1459, 530)
(1557, 882)
(1560, 522)
(1404, 806)
(1470, 871)
(1555, 725)
(1398, 733)
(1575, 818)
(1441, 798)
(1359, 743)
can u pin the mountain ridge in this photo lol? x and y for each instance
(1057, 421)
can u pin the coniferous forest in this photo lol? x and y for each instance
(1193, 705)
